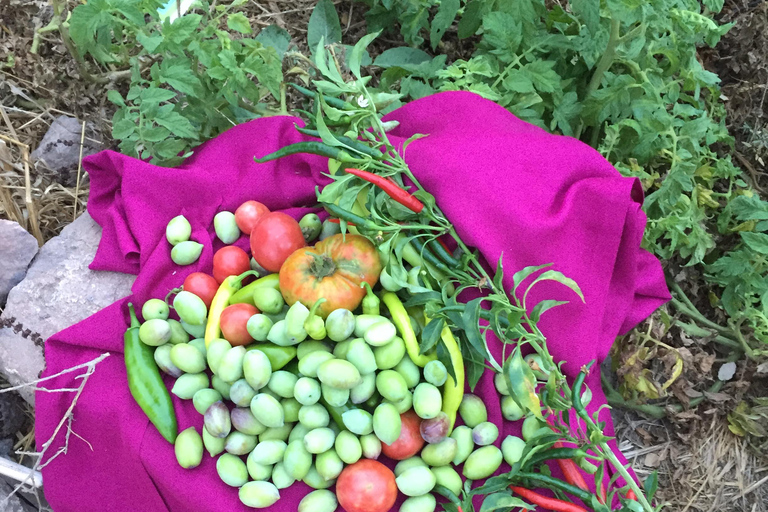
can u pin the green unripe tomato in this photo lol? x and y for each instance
(531, 427)
(178, 230)
(191, 309)
(340, 324)
(512, 449)
(268, 300)
(258, 327)
(310, 227)
(510, 410)
(232, 470)
(482, 463)
(186, 253)
(154, 308)
(189, 448)
(155, 332)
(472, 410)
(226, 228)
(435, 373)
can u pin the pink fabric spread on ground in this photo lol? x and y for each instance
(507, 186)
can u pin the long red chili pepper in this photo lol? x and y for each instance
(571, 471)
(552, 504)
(391, 188)
(338, 221)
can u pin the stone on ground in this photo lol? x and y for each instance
(17, 248)
(59, 290)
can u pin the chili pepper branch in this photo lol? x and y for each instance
(376, 194)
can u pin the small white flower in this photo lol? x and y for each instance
(362, 101)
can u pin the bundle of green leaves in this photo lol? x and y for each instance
(191, 78)
(623, 76)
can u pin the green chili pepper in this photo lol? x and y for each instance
(336, 412)
(330, 100)
(371, 301)
(578, 406)
(554, 483)
(315, 148)
(356, 145)
(146, 384)
(314, 324)
(428, 256)
(278, 356)
(348, 216)
(442, 252)
(556, 453)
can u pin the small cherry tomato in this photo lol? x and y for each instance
(249, 214)
(234, 323)
(202, 285)
(410, 441)
(230, 261)
(366, 486)
(275, 238)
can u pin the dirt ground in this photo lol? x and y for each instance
(702, 466)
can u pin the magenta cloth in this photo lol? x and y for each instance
(506, 185)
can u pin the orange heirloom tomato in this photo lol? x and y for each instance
(333, 269)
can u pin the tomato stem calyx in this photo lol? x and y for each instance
(322, 265)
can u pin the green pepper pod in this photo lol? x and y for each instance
(146, 384)
(314, 148)
(314, 324)
(371, 301)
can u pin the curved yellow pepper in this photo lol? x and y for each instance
(453, 392)
(245, 294)
(403, 324)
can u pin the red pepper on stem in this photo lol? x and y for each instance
(391, 188)
(631, 495)
(552, 504)
(571, 471)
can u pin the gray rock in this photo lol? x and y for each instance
(59, 151)
(58, 291)
(17, 248)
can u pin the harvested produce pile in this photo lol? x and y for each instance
(324, 379)
(317, 395)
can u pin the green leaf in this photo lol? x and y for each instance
(554, 275)
(589, 12)
(156, 95)
(275, 37)
(651, 484)
(114, 97)
(179, 75)
(522, 383)
(758, 242)
(472, 18)
(402, 57)
(177, 124)
(541, 74)
(543, 306)
(471, 320)
(430, 334)
(239, 23)
(521, 275)
(357, 52)
(324, 24)
(149, 42)
(503, 502)
(446, 13)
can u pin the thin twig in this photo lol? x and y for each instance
(79, 169)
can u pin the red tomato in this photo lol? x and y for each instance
(234, 320)
(202, 285)
(366, 486)
(275, 238)
(230, 261)
(249, 214)
(410, 441)
(332, 269)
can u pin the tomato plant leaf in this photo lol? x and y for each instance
(323, 24)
